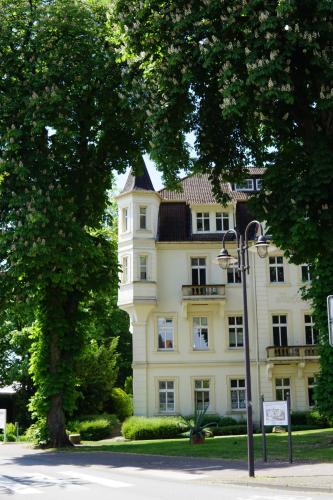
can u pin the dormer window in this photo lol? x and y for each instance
(143, 217)
(246, 185)
(222, 221)
(203, 221)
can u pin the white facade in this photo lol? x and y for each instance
(186, 316)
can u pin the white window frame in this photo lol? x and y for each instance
(309, 329)
(238, 387)
(235, 327)
(202, 386)
(246, 185)
(143, 217)
(143, 267)
(198, 333)
(125, 219)
(275, 265)
(198, 267)
(283, 386)
(278, 326)
(305, 269)
(259, 184)
(202, 217)
(125, 276)
(234, 275)
(163, 330)
(224, 218)
(168, 389)
(311, 385)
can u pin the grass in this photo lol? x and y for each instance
(315, 445)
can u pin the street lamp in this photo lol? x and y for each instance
(225, 260)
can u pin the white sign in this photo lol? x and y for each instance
(275, 413)
(330, 318)
(3, 418)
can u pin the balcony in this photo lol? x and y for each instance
(203, 292)
(292, 353)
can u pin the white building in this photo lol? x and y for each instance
(186, 312)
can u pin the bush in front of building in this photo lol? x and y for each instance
(138, 428)
(309, 419)
(94, 427)
(229, 430)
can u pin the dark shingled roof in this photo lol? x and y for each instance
(139, 182)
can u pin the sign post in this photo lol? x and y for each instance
(330, 318)
(276, 413)
(3, 420)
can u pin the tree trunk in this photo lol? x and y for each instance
(56, 423)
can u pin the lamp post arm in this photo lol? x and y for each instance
(230, 231)
(246, 234)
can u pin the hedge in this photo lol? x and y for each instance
(138, 428)
(229, 430)
(94, 427)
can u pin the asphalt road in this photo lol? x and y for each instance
(30, 474)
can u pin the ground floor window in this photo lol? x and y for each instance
(237, 390)
(282, 388)
(201, 394)
(166, 390)
(311, 386)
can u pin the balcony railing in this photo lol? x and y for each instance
(292, 351)
(199, 291)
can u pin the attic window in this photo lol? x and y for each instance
(203, 221)
(246, 185)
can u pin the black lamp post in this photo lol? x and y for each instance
(242, 261)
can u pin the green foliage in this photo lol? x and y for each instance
(227, 421)
(121, 403)
(229, 430)
(138, 428)
(38, 432)
(253, 82)
(128, 385)
(64, 126)
(94, 429)
(198, 425)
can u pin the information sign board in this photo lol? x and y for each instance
(330, 318)
(3, 417)
(275, 412)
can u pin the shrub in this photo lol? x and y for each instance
(229, 430)
(224, 421)
(121, 403)
(137, 428)
(315, 418)
(38, 432)
(93, 428)
(308, 419)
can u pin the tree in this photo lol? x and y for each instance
(253, 81)
(64, 126)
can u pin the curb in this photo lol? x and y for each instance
(260, 484)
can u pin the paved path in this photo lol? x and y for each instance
(300, 476)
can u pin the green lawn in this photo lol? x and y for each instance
(307, 445)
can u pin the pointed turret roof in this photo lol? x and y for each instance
(140, 182)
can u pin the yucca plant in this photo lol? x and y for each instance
(197, 430)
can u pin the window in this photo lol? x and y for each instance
(201, 394)
(235, 331)
(143, 265)
(259, 184)
(203, 221)
(311, 334)
(165, 333)
(280, 330)
(166, 390)
(246, 185)
(222, 221)
(306, 273)
(125, 270)
(276, 271)
(200, 333)
(124, 218)
(311, 386)
(198, 265)
(282, 388)
(237, 391)
(233, 275)
(143, 217)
